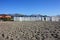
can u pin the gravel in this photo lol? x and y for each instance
(30, 30)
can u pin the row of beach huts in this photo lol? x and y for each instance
(37, 18)
(28, 17)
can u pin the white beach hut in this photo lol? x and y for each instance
(55, 18)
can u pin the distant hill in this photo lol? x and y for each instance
(21, 15)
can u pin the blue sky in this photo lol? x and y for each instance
(28, 7)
